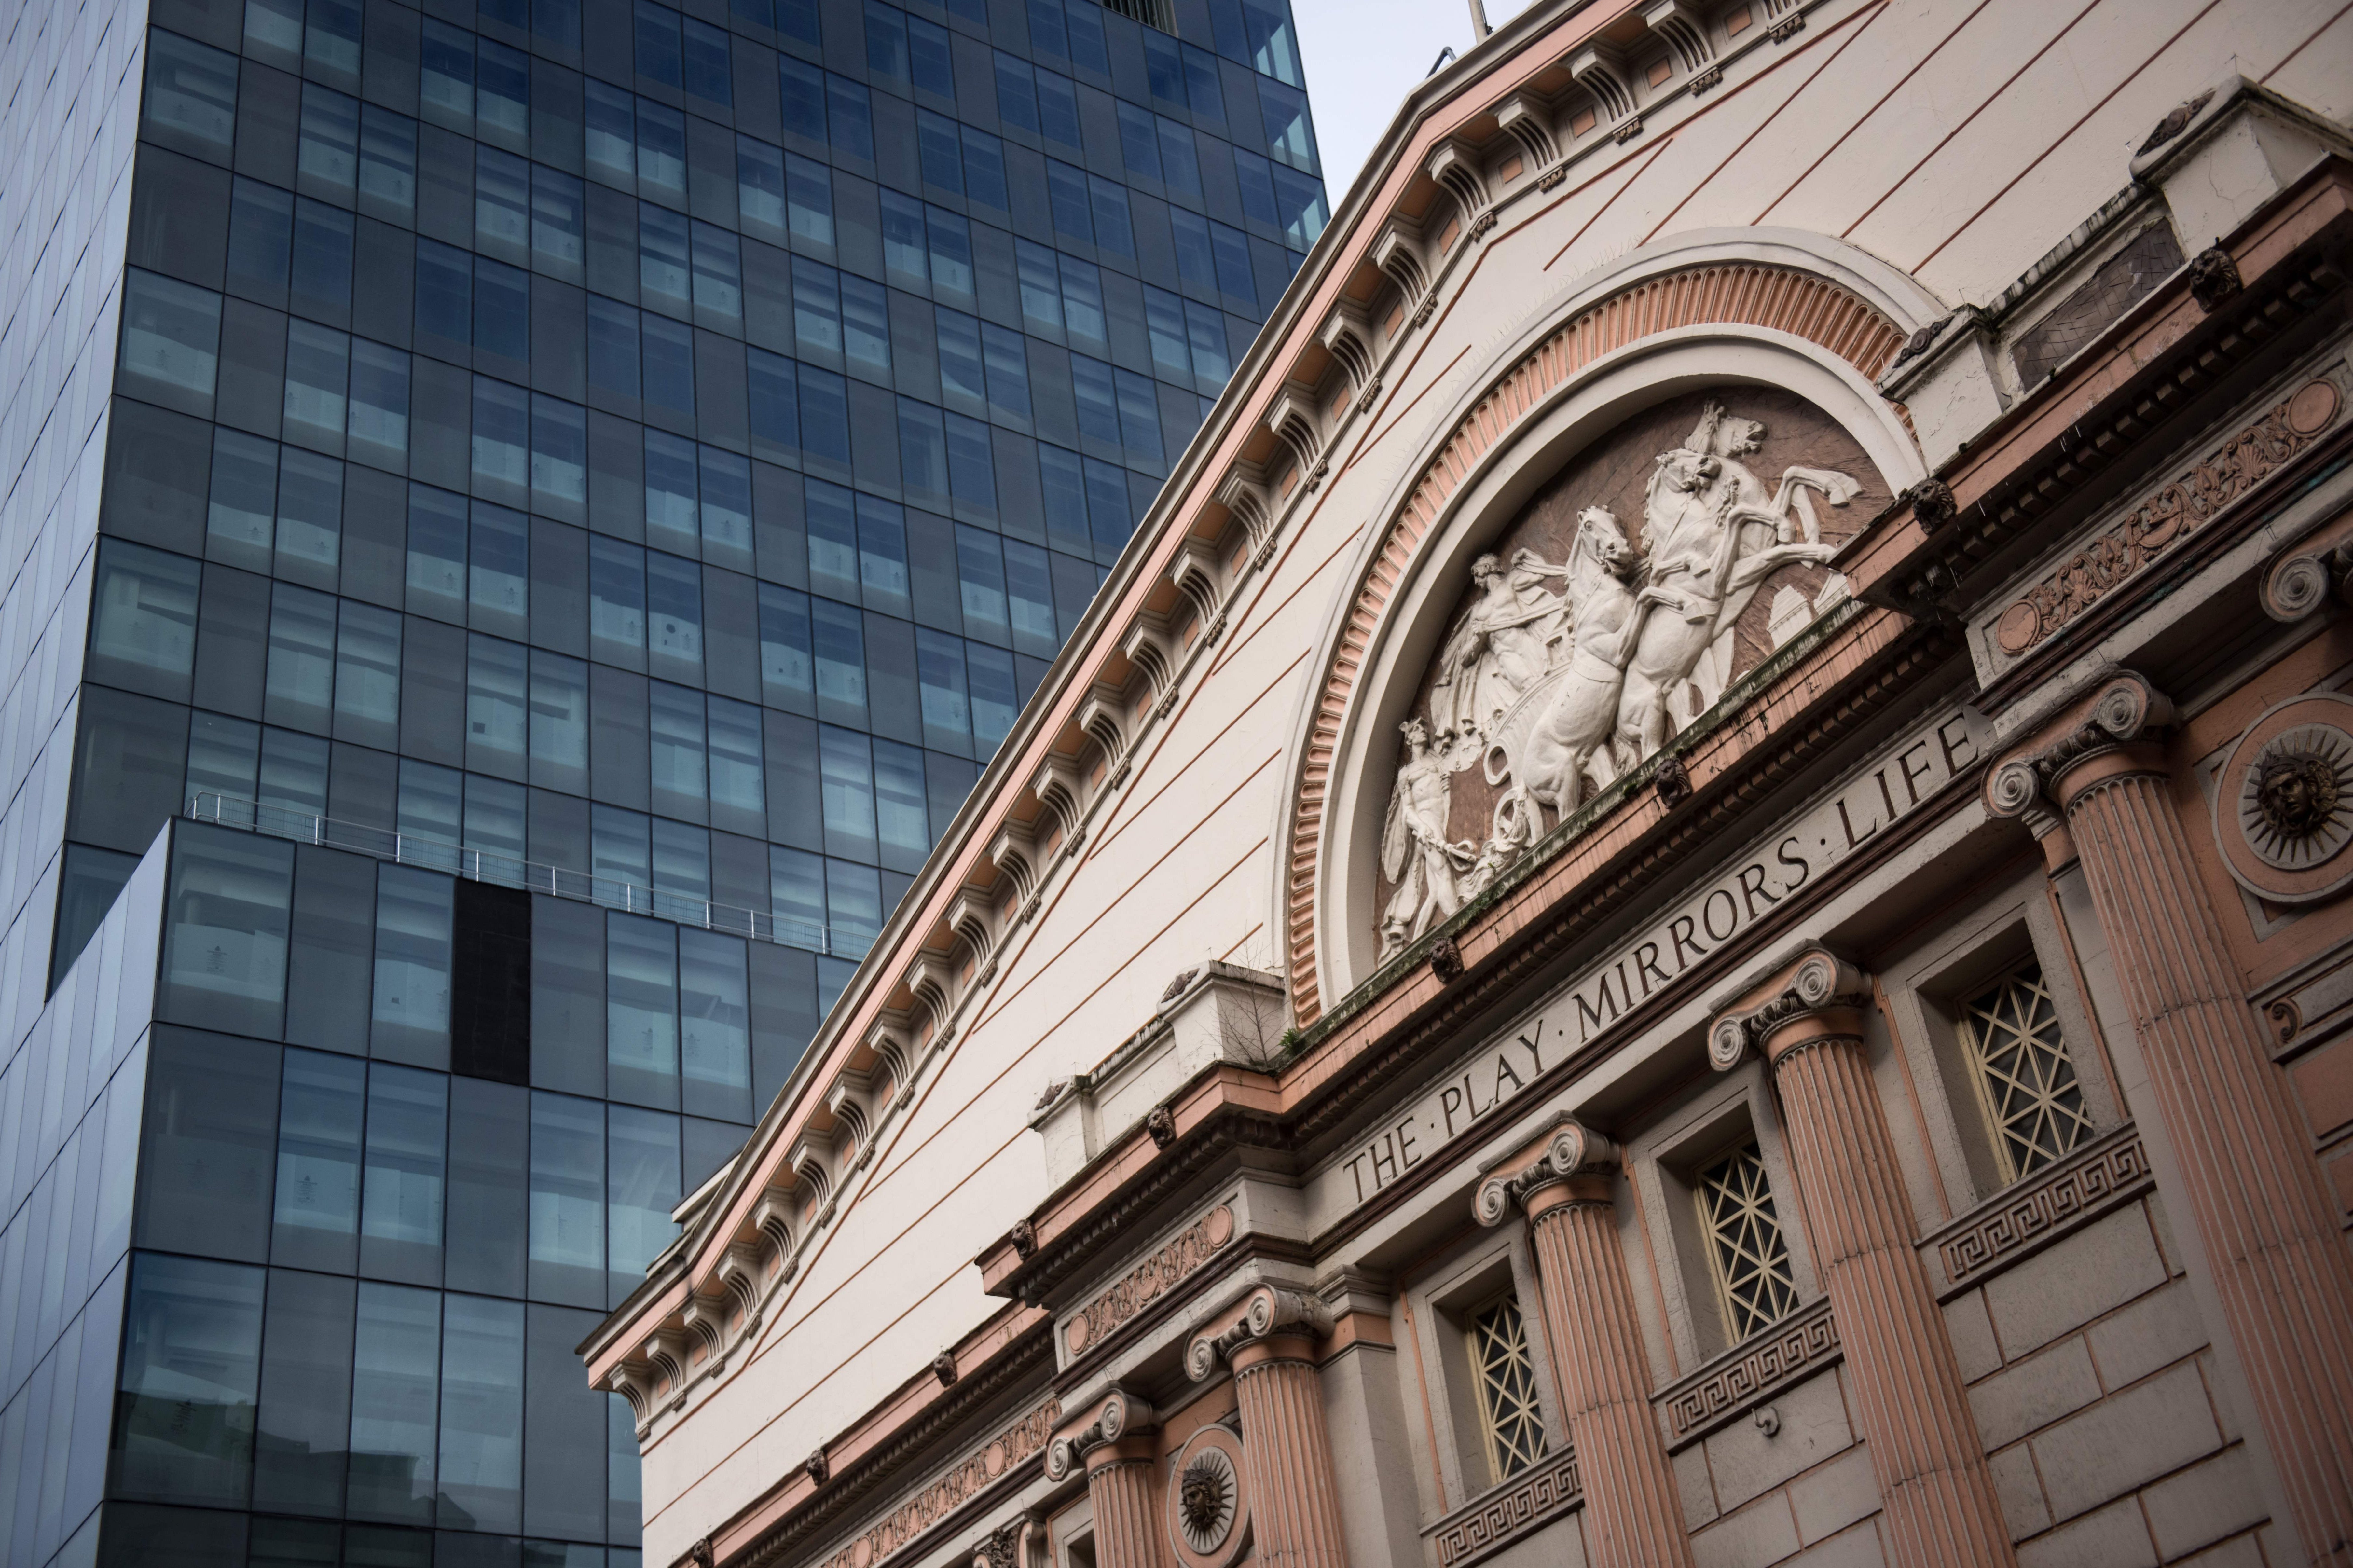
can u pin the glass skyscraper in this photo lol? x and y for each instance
(524, 519)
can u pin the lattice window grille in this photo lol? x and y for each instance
(1157, 14)
(2024, 1077)
(1509, 1419)
(1745, 1246)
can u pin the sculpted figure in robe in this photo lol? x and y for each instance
(1498, 648)
(1415, 853)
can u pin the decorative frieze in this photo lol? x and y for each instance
(2060, 1199)
(1796, 1348)
(2166, 519)
(912, 1520)
(1547, 1491)
(1145, 1283)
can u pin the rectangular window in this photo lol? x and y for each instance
(1744, 1247)
(679, 762)
(1509, 1420)
(445, 88)
(328, 161)
(670, 488)
(850, 115)
(617, 596)
(171, 339)
(142, 631)
(718, 277)
(567, 1200)
(612, 135)
(387, 165)
(716, 1039)
(497, 712)
(1058, 109)
(299, 691)
(797, 891)
(847, 773)
(322, 1112)
(2025, 1079)
(929, 65)
(306, 1394)
(191, 1378)
(657, 44)
(224, 932)
(904, 246)
(559, 722)
(1180, 158)
(787, 675)
(804, 95)
(706, 72)
(661, 148)
(410, 1012)
(1139, 141)
(808, 192)
(641, 1189)
(641, 1013)
(558, 224)
(401, 1191)
(675, 613)
(726, 508)
(738, 789)
(367, 675)
(318, 378)
(940, 152)
(760, 189)
(395, 1389)
(984, 169)
(481, 1413)
(1017, 92)
(899, 817)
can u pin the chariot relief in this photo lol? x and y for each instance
(1617, 608)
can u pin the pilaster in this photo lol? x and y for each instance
(2264, 1220)
(1563, 1182)
(1911, 1406)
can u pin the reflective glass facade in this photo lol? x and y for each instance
(570, 492)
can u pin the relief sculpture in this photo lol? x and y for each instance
(1555, 678)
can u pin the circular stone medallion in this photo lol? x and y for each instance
(1209, 1500)
(2284, 801)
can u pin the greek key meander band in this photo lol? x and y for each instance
(1796, 1348)
(2046, 1206)
(1547, 1491)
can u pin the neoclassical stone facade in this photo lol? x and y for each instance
(1687, 903)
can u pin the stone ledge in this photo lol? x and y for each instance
(1800, 1345)
(1545, 1492)
(2022, 1219)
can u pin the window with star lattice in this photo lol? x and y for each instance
(1504, 1368)
(2024, 1079)
(1744, 1247)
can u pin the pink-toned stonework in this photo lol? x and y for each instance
(1688, 901)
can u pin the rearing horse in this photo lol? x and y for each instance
(1602, 570)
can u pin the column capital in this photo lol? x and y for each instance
(1566, 1162)
(1268, 1311)
(2052, 766)
(1103, 1434)
(1820, 996)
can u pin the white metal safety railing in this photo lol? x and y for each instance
(512, 871)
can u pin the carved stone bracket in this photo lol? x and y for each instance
(2214, 278)
(1121, 1415)
(1565, 1151)
(1821, 982)
(1266, 1311)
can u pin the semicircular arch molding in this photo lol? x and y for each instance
(1658, 323)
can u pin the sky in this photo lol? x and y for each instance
(1362, 56)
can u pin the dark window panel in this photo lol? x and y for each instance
(559, 587)
(564, 1464)
(567, 1008)
(795, 815)
(332, 960)
(306, 1382)
(784, 1014)
(321, 1122)
(179, 218)
(617, 740)
(388, 63)
(374, 538)
(184, 1417)
(158, 474)
(432, 692)
(208, 1143)
(490, 1008)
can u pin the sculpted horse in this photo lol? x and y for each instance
(1577, 722)
(1713, 550)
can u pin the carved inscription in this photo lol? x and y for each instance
(1144, 1284)
(2047, 1205)
(1540, 1496)
(1792, 1349)
(906, 1523)
(1659, 955)
(2171, 515)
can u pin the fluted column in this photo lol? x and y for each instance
(1119, 1483)
(1940, 1506)
(1269, 1339)
(1111, 1440)
(1633, 1517)
(2279, 1262)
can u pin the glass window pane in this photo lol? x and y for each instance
(726, 483)
(996, 699)
(318, 378)
(947, 715)
(641, 1012)
(617, 592)
(224, 937)
(840, 645)
(367, 675)
(497, 707)
(679, 764)
(670, 492)
(142, 631)
(846, 772)
(191, 1377)
(387, 165)
(306, 1388)
(567, 1200)
(559, 722)
(411, 1008)
(208, 1141)
(716, 1039)
(401, 1195)
(642, 1189)
(481, 1413)
(899, 808)
(673, 608)
(298, 690)
(395, 1387)
(738, 792)
(499, 569)
(319, 1117)
(171, 337)
(787, 672)
(853, 897)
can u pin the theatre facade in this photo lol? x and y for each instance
(1687, 902)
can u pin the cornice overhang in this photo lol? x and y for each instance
(2115, 411)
